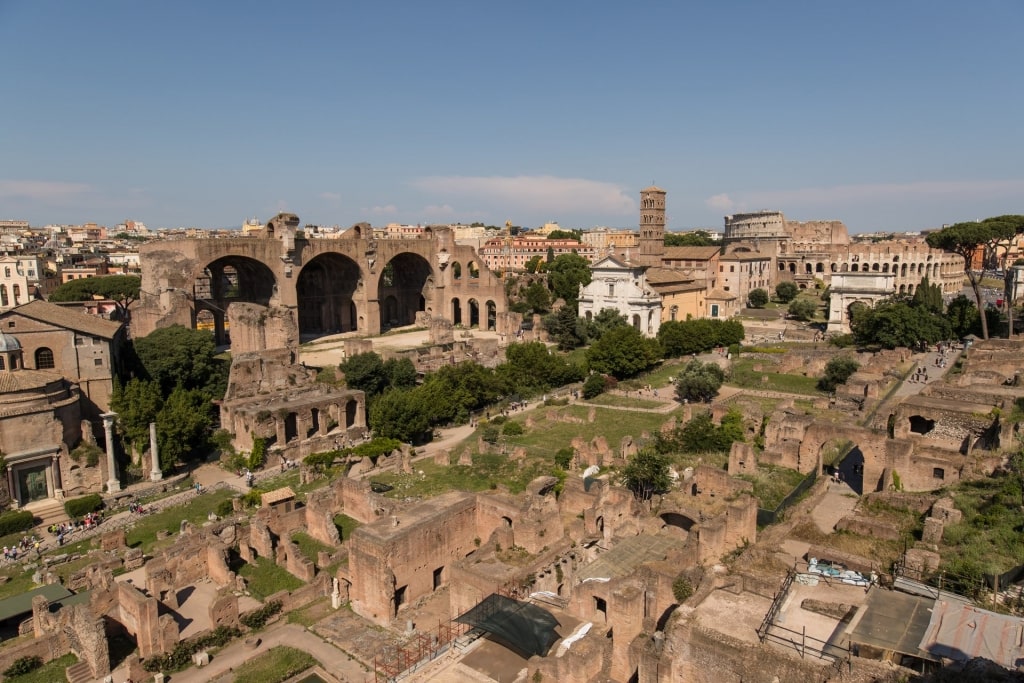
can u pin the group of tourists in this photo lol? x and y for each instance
(26, 544)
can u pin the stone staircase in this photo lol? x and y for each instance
(50, 511)
(78, 673)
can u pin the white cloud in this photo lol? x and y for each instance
(435, 210)
(381, 210)
(960, 190)
(44, 190)
(720, 202)
(330, 196)
(537, 193)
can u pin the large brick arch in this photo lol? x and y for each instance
(352, 265)
(874, 446)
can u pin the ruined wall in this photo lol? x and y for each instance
(395, 561)
(355, 499)
(140, 616)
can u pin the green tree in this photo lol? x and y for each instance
(183, 426)
(593, 386)
(893, 324)
(538, 298)
(401, 373)
(365, 372)
(802, 308)
(646, 473)
(400, 414)
(686, 337)
(531, 367)
(606, 319)
(928, 296)
(699, 381)
(837, 371)
(179, 355)
(786, 291)
(567, 328)
(758, 298)
(136, 403)
(565, 235)
(534, 264)
(121, 289)
(623, 352)
(696, 238)
(565, 275)
(963, 316)
(965, 240)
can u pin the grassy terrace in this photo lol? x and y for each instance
(541, 443)
(275, 665)
(988, 539)
(772, 484)
(744, 375)
(143, 532)
(624, 402)
(266, 578)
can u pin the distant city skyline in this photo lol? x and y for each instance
(886, 116)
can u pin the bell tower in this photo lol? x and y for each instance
(652, 226)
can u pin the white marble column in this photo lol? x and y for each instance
(155, 473)
(113, 483)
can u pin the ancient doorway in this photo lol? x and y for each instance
(32, 483)
(407, 280)
(225, 281)
(325, 292)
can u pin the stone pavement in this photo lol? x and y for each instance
(222, 664)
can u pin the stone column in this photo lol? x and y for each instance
(155, 473)
(58, 484)
(113, 484)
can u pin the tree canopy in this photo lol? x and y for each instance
(121, 289)
(686, 337)
(565, 275)
(786, 291)
(758, 298)
(893, 323)
(965, 239)
(802, 308)
(837, 371)
(646, 473)
(178, 355)
(697, 238)
(623, 352)
(699, 381)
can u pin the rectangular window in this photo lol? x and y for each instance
(98, 362)
(611, 289)
(938, 473)
(732, 269)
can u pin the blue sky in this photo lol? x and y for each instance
(886, 115)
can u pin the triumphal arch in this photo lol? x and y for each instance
(354, 282)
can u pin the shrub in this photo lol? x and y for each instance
(837, 371)
(841, 341)
(563, 458)
(734, 350)
(225, 508)
(682, 589)
(79, 507)
(258, 618)
(23, 665)
(512, 428)
(88, 453)
(181, 656)
(490, 434)
(222, 439)
(259, 453)
(786, 291)
(15, 521)
(757, 298)
(594, 386)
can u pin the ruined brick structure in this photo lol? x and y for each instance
(353, 283)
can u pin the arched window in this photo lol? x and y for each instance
(44, 358)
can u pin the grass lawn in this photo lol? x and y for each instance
(988, 539)
(541, 443)
(309, 546)
(47, 673)
(346, 525)
(311, 613)
(744, 375)
(772, 484)
(143, 532)
(266, 578)
(275, 665)
(617, 400)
